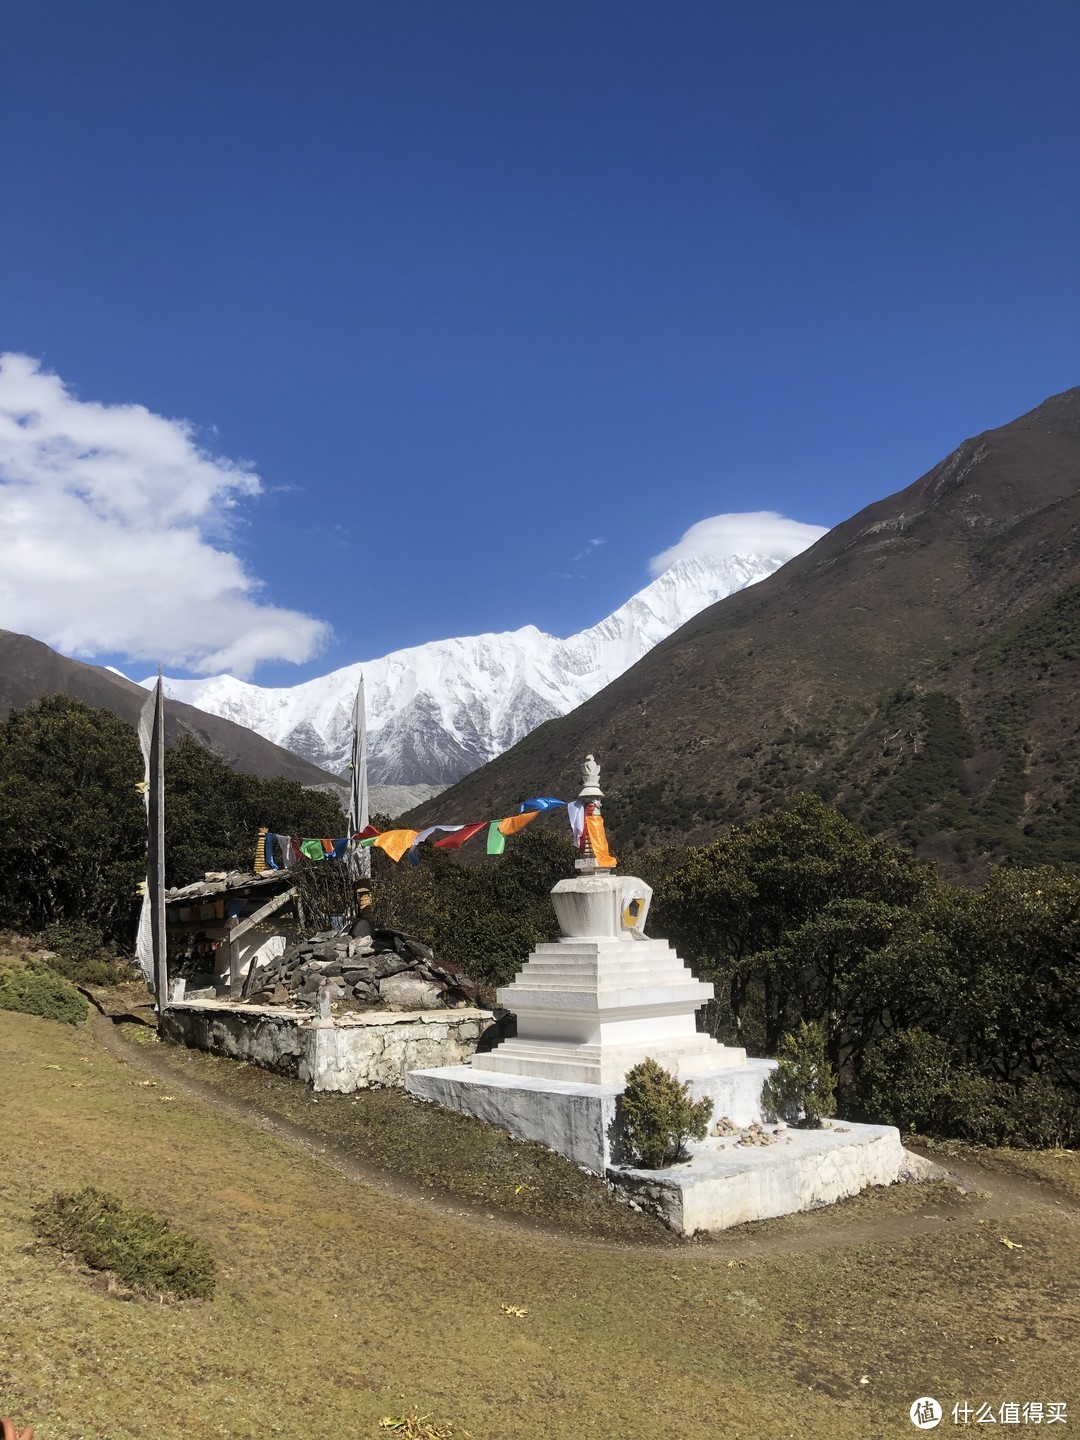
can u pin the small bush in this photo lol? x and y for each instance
(658, 1115)
(136, 1245)
(902, 1080)
(802, 1089)
(973, 1107)
(79, 954)
(909, 1080)
(1044, 1116)
(34, 989)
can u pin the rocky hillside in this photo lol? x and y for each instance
(919, 666)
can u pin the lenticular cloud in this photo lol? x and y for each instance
(753, 532)
(108, 521)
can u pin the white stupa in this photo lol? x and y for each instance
(603, 997)
(589, 1007)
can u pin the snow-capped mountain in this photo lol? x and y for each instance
(438, 711)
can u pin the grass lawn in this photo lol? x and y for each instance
(339, 1303)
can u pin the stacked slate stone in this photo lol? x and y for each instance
(357, 969)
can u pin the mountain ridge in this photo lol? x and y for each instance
(438, 711)
(794, 682)
(30, 669)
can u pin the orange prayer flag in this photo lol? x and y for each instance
(594, 828)
(513, 823)
(395, 842)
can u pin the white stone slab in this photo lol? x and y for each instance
(574, 1118)
(344, 1053)
(725, 1184)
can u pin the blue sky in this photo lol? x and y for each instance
(472, 284)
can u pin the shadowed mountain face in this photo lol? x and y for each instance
(919, 666)
(29, 670)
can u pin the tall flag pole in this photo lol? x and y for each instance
(151, 945)
(359, 859)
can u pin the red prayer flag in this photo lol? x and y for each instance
(458, 838)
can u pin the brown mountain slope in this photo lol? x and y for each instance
(918, 665)
(29, 670)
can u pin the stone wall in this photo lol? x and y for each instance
(349, 1052)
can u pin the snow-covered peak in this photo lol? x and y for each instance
(439, 710)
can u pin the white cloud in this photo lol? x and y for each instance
(108, 518)
(754, 532)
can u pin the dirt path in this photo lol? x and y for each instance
(995, 1195)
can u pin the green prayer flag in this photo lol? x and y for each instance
(496, 841)
(313, 849)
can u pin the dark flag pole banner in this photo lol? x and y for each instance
(150, 946)
(359, 859)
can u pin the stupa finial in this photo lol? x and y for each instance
(589, 801)
(590, 780)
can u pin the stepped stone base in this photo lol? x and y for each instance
(590, 1007)
(574, 1118)
(725, 1184)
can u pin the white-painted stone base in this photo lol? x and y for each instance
(573, 1118)
(725, 1184)
(598, 1000)
(348, 1052)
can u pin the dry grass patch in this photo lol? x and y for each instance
(433, 1147)
(338, 1305)
(1059, 1169)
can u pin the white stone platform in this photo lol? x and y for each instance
(348, 1052)
(725, 1184)
(575, 1118)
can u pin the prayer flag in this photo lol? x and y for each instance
(541, 802)
(496, 840)
(422, 835)
(594, 828)
(513, 823)
(461, 834)
(395, 842)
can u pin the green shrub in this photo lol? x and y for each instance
(974, 1107)
(902, 1080)
(136, 1245)
(658, 1116)
(34, 989)
(802, 1089)
(1033, 1113)
(909, 1080)
(1043, 1116)
(79, 954)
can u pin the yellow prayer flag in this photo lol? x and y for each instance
(395, 842)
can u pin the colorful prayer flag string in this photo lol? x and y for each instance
(400, 842)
